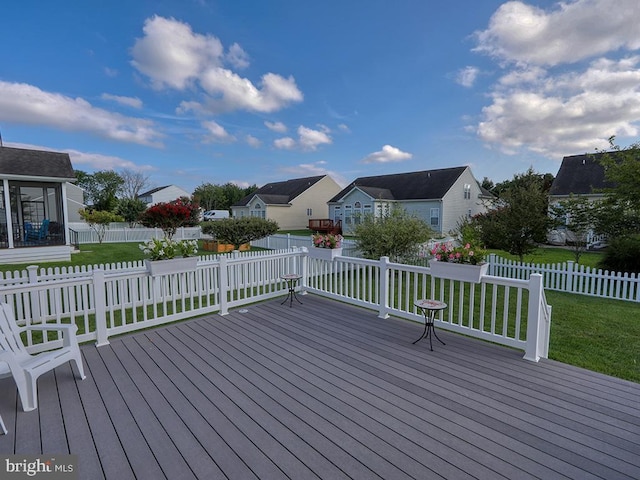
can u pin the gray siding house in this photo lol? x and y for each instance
(441, 197)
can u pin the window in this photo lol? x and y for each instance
(309, 212)
(467, 191)
(258, 211)
(435, 217)
(348, 212)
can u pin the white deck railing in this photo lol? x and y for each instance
(110, 301)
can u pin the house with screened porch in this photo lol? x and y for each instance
(33, 205)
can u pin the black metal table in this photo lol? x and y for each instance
(292, 280)
(429, 308)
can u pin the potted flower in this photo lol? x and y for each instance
(464, 262)
(326, 246)
(170, 256)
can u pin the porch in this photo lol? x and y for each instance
(324, 390)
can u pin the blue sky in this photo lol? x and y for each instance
(251, 92)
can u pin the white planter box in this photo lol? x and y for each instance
(327, 254)
(458, 271)
(174, 265)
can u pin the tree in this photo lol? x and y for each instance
(133, 183)
(619, 214)
(220, 197)
(238, 231)
(99, 220)
(577, 213)
(170, 216)
(518, 221)
(394, 234)
(130, 209)
(100, 188)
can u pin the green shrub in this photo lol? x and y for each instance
(622, 255)
(237, 231)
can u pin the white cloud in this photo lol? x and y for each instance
(173, 56)
(26, 104)
(344, 128)
(252, 141)
(285, 143)
(133, 102)
(388, 154)
(311, 139)
(97, 161)
(276, 126)
(573, 31)
(216, 133)
(467, 76)
(548, 99)
(570, 113)
(237, 57)
(308, 139)
(110, 72)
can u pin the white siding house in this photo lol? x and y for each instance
(165, 194)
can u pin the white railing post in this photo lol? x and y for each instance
(383, 310)
(304, 266)
(100, 307)
(535, 319)
(36, 296)
(223, 285)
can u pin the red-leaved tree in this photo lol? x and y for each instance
(171, 215)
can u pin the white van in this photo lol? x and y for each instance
(215, 215)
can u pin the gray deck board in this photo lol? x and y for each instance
(324, 390)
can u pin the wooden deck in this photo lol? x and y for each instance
(325, 390)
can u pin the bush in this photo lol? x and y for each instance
(237, 231)
(396, 235)
(622, 255)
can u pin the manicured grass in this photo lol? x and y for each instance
(594, 333)
(597, 334)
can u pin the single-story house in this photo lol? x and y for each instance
(165, 194)
(34, 206)
(441, 197)
(290, 203)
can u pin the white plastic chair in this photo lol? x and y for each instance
(25, 368)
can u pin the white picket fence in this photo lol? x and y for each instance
(572, 278)
(115, 299)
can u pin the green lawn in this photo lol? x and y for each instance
(554, 255)
(598, 334)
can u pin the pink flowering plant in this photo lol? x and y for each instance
(467, 253)
(327, 240)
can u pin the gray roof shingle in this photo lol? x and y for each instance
(35, 164)
(427, 184)
(281, 193)
(580, 175)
